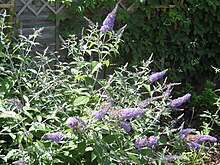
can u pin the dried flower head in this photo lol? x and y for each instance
(126, 126)
(57, 136)
(179, 101)
(172, 158)
(156, 76)
(129, 113)
(19, 162)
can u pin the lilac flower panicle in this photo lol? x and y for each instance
(126, 126)
(53, 136)
(179, 101)
(193, 140)
(204, 138)
(184, 132)
(129, 113)
(152, 141)
(99, 114)
(142, 142)
(109, 21)
(156, 76)
(196, 146)
(72, 122)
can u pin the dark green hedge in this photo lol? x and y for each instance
(184, 39)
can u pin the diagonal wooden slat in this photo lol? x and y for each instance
(45, 4)
(42, 8)
(26, 5)
(51, 8)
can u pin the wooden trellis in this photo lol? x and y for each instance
(8, 6)
(31, 5)
(34, 14)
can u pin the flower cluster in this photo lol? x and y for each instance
(179, 101)
(146, 141)
(152, 141)
(109, 21)
(99, 114)
(73, 122)
(194, 140)
(156, 76)
(57, 136)
(184, 132)
(141, 142)
(126, 126)
(129, 113)
(102, 112)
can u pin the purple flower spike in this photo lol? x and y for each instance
(76, 123)
(196, 146)
(129, 113)
(184, 132)
(126, 126)
(139, 143)
(204, 138)
(152, 141)
(53, 136)
(109, 21)
(72, 122)
(156, 76)
(179, 101)
(99, 114)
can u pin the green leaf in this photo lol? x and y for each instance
(81, 100)
(93, 157)
(91, 44)
(95, 66)
(106, 62)
(132, 156)
(9, 114)
(26, 99)
(81, 147)
(89, 149)
(33, 71)
(10, 154)
(28, 114)
(147, 87)
(110, 139)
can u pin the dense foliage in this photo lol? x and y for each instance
(183, 38)
(68, 115)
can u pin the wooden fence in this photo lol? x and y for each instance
(34, 14)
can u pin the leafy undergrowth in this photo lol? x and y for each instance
(68, 115)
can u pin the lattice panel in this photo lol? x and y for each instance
(37, 6)
(6, 5)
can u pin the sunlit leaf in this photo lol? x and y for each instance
(81, 100)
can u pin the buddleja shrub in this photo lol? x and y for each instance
(68, 115)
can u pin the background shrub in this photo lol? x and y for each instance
(183, 39)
